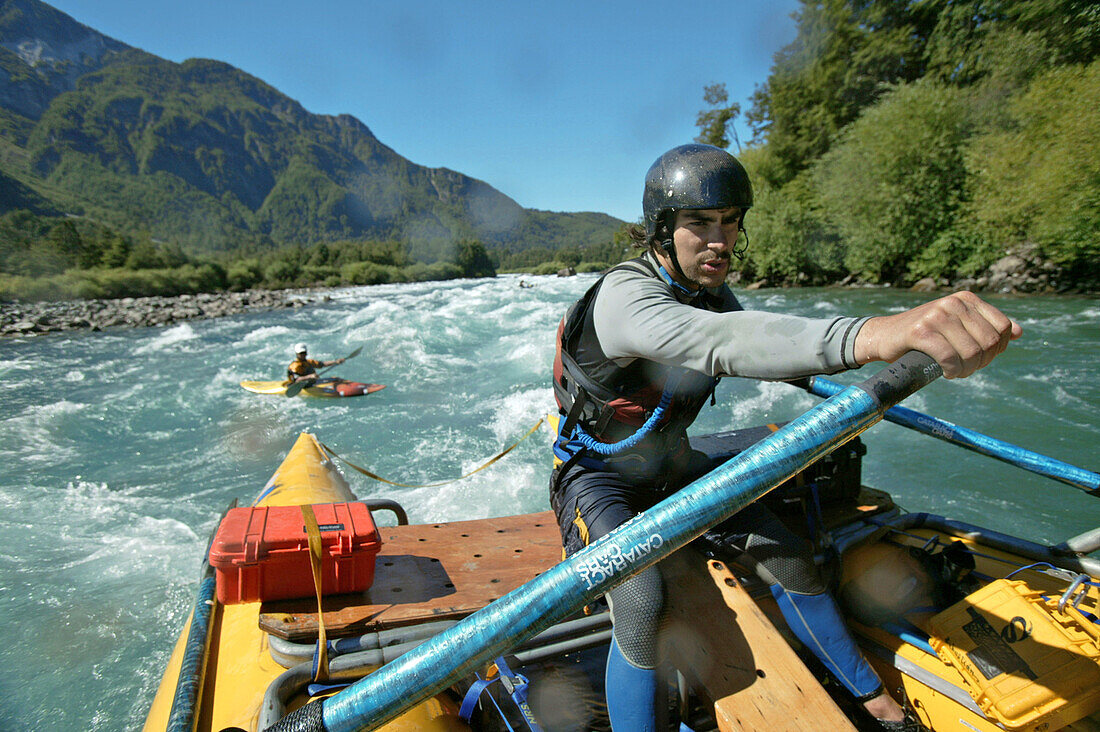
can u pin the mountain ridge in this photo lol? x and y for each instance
(204, 154)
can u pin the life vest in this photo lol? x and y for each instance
(611, 402)
(301, 368)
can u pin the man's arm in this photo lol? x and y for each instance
(636, 317)
(962, 332)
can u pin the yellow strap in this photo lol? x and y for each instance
(369, 474)
(316, 554)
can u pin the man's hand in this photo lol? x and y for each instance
(962, 332)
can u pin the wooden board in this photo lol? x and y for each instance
(429, 572)
(735, 658)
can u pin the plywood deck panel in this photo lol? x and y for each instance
(733, 655)
(429, 572)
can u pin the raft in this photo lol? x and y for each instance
(330, 387)
(982, 631)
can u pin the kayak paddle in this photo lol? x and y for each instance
(297, 386)
(591, 572)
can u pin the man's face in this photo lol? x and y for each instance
(704, 240)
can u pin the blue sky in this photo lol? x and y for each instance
(560, 105)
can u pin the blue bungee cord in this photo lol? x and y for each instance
(605, 448)
(1074, 594)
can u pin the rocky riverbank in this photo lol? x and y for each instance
(34, 318)
(1020, 272)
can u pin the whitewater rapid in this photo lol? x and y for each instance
(121, 448)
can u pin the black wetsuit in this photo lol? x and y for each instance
(638, 327)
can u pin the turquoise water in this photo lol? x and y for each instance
(120, 449)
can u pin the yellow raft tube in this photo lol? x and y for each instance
(238, 667)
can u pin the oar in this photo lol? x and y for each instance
(297, 386)
(965, 437)
(588, 574)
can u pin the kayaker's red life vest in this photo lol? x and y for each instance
(609, 401)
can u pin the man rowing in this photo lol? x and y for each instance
(641, 353)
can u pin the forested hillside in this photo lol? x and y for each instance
(900, 140)
(106, 150)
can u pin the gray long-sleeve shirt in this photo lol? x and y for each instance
(638, 316)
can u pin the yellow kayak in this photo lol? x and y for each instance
(325, 387)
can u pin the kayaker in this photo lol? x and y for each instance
(666, 321)
(303, 367)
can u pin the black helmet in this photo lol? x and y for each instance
(693, 177)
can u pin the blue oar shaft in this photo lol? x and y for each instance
(637, 544)
(977, 442)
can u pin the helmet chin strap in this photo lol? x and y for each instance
(670, 249)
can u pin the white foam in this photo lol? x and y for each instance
(774, 301)
(33, 433)
(1054, 374)
(265, 334)
(827, 306)
(516, 413)
(173, 336)
(535, 356)
(763, 402)
(1063, 320)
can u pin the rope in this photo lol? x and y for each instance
(371, 475)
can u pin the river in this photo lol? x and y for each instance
(121, 448)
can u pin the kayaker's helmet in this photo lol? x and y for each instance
(691, 177)
(300, 348)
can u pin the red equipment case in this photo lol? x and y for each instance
(262, 552)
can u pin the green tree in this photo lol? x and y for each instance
(472, 259)
(281, 273)
(790, 239)
(321, 255)
(896, 178)
(116, 250)
(244, 274)
(714, 123)
(144, 255)
(1039, 181)
(66, 243)
(845, 53)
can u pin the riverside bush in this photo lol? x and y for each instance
(1039, 180)
(896, 178)
(114, 283)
